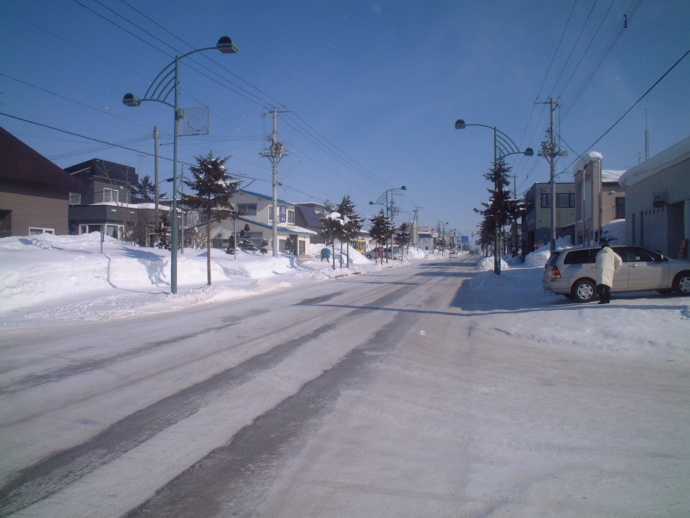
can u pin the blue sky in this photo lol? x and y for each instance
(374, 89)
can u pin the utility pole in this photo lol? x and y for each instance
(155, 154)
(550, 151)
(180, 189)
(274, 154)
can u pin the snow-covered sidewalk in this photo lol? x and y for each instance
(48, 277)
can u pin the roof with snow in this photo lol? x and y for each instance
(611, 175)
(607, 175)
(264, 196)
(586, 159)
(677, 153)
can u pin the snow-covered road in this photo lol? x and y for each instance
(429, 390)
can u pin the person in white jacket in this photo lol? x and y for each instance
(608, 263)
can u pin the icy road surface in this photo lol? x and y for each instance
(428, 390)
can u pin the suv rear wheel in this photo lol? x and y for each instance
(681, 284)
(584, 290)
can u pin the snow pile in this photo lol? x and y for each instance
(78, 277)
(486, 264)
(614, 231)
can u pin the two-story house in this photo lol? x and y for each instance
(256, 210)
(106, 204)
(536, 224)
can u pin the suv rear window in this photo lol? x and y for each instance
(580, 257)
(553, 258)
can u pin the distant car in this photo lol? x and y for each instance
(376, 253)
(573, 272)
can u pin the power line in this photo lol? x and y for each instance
(633, 105)
(71, 100)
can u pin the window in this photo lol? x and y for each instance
(545, 200)
(620, 208)
(270, 213)
(247, 209)
(580, 257)
(291, 216)
(115, 231)
(633, 254)
(565, 200)
(36, 230)
(111, 195)
(74, 198)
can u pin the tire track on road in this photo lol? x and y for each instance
(63, 468)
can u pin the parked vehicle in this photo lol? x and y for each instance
(573, 272)
(379, 252)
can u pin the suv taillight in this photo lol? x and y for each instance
(555, 273)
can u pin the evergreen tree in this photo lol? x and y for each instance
(232, 246)
(403, 237)
(163, 231)
(352, 223)
(246, 244)
(331, 226)
(211, 190)
(145, 189)
(381, 229)
(501, 207)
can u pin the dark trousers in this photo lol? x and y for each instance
(604, 293)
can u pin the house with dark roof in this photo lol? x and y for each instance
(308, 215)
(34, 192)
(107, 205)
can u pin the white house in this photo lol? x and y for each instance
(657, 209)
(256, 210)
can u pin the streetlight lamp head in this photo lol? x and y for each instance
(371, 203)
(529, 152)
(460, 124)
(226, 46)
(403, 188)
(131, 100)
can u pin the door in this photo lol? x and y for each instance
(646, 269)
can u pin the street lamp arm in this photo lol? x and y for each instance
(461, 124)
(164, 83)
(162, 86)
(502, 142)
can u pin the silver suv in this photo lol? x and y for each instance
(573, 272)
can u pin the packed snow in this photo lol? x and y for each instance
(50, 277)
(82, 278)
(46, 278)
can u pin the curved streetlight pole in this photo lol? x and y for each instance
(165, 83)
(503, 147)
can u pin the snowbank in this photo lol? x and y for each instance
(78, 277)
